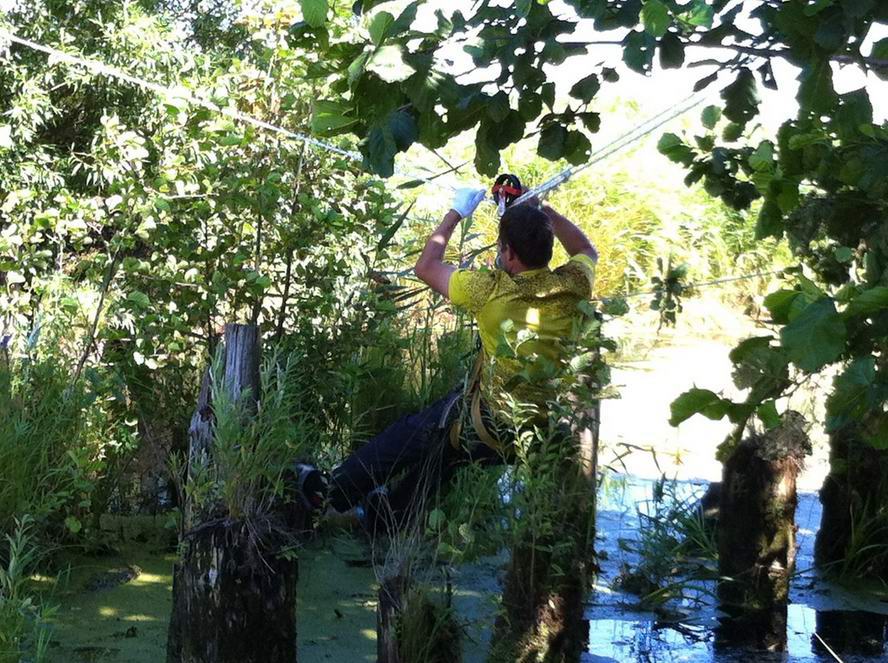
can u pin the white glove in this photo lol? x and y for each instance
(467, 200)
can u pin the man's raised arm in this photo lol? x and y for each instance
(431, 268)
(571, 237)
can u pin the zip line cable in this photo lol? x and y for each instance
(644, 129)
(103, 69)
(692, 286)
(100, 68)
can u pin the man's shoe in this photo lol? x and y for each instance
(312, 486)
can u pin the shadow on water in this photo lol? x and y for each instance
(823, 622)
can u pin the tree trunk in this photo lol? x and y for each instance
(548, 578)
(234, 595)
(411, 627)
(234, 598)
(391, 598)
(756, 534)
(853, 534)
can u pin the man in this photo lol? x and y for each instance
(522, 294)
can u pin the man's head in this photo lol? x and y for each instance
(525, 239)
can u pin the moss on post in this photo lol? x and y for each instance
(756, 534)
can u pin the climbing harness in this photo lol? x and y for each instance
(506, 190)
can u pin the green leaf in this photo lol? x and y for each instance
(404, 129)
(741, 98)
(436, 519)
(498, 106)
(711, 115)
(388, 63)
(530, 105)
(329, 117)
(139, 299)
(769, 222)
(816, 337)
(73, 525)
(869, 301)
(314, 12)
(381, 150)
(852, 395)
(638, 51)
(816, 92)
(763, 157)
(577, 148)
(855, 111)
(586, 88)
(672, 147)
(552, 142)
(356, 68)
(732, 132)
(880, 52)
(389, 233)
(379, 27)
(779, 304)
(767, 412)
(700, 15)
(655, 18)
(672, 52)
(698, 401)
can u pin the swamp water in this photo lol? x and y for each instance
(115, 608)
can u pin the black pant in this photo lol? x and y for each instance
(415, 449)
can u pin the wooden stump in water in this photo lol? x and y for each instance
(548, 577)
(234, 599)
(854, 526)
(413, 628)
(756, 534)
(388, 611)
(234, 594)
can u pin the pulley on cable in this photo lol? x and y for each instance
(506, 190)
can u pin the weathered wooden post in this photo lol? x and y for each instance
(234, 595)
(548, 577)
(853, 496)
(756, 534)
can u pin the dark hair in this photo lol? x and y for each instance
(528, 231)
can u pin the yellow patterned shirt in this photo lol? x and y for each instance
(542, 301)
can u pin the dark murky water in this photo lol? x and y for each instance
(852, 624)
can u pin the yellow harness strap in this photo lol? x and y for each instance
(472, 397)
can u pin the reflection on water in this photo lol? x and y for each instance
(647, 640)
(618, 632)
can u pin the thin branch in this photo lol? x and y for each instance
(87, 348)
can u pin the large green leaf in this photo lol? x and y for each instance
(851, 395)
(816, 92)
(388, 63)
(655, 18)
(869, 301)
(741, 98)
(698, 401)
(638, 51)
(329, 117)
(552, 142)
(315, 12)
(586, 88)
(381, 150)
(816, 337)
(672, 52)
(700, 14)
(880, 52)
(673, 148)
(379, 27)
